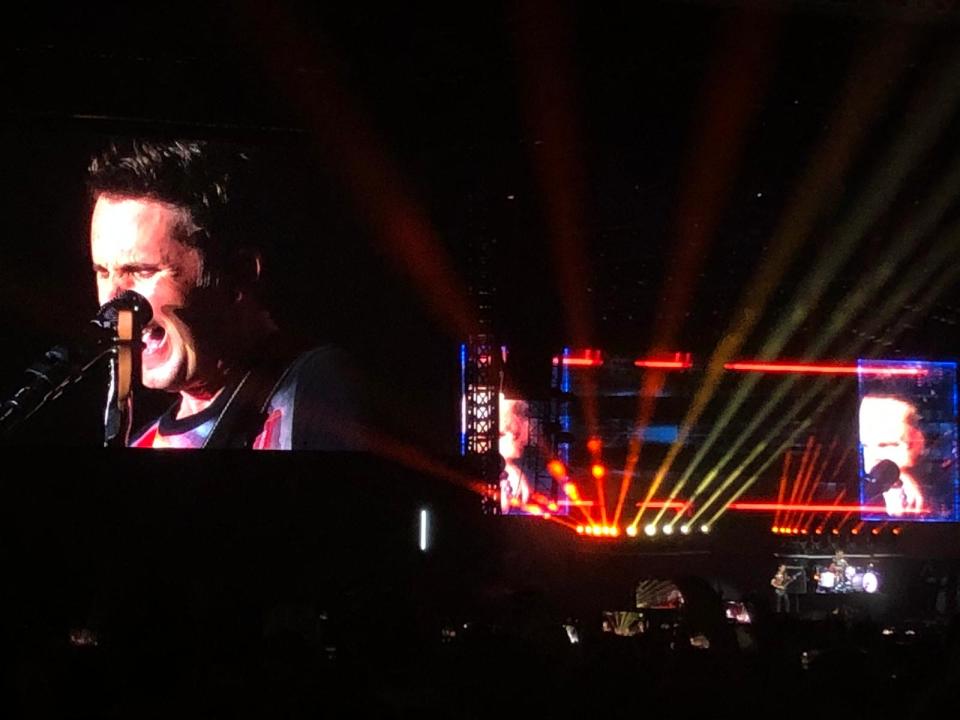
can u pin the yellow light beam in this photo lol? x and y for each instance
(866, 90)
(942, 251)
(785, 419)
(783, 487)
(919, 133)
(946, 279)
(788, 440)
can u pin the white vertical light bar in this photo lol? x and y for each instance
(424, 518)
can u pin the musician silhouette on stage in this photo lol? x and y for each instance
(780, 582)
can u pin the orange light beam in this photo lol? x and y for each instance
(844, 520)
(836, 501)
(653, 381)
(783, 485)
(866, 89)
(599, 483)
(543, 36)
(816, 483)
(350, 143)
(794, 519)
(836, 472)
(804, 464)
(737, 81)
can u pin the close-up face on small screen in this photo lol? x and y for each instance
(889, 431)
(908, 440)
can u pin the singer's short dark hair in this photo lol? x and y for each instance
(209, 180)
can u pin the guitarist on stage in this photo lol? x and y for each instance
(780, 581)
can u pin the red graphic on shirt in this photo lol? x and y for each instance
(269, 437)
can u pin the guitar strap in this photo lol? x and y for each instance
(244, 413)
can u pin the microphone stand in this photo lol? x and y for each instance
(114, 333)
(46, 380)
(124, 364)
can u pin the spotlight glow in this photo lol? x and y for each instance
(705, 528)
(668, 529)
(650, 529)
(632, 530)
(557, 470)
(685, 529)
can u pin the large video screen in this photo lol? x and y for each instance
(907, 417)
(263, 286)
(526, 485)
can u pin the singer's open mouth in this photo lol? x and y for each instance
(153, 337)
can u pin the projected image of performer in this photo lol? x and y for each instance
(892, 444)
(514, 436)
(175, 221)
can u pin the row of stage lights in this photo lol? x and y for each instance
(557, 469)
(598, 530)
(650, 530)
(776, 530)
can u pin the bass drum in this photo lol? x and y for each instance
(871, 583)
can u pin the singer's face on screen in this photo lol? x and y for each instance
(134, 246)
(887, 432)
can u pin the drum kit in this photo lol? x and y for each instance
(847, 578)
